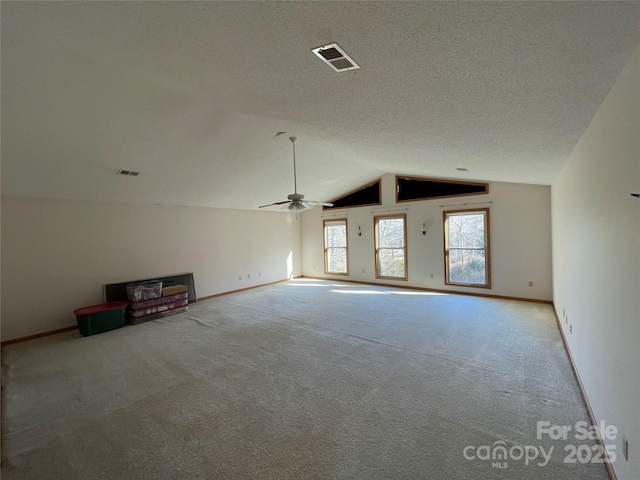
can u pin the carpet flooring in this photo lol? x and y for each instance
(305, 379)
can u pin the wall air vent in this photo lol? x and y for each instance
(335, 57)
(128, 172)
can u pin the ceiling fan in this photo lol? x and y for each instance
(296, 202)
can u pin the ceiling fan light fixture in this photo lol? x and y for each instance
(296, 207)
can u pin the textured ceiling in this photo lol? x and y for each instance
(192, 94)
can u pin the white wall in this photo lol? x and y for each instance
(596, 252)
(520, 232)
(57, 254)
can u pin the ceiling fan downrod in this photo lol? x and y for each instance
(295, 181)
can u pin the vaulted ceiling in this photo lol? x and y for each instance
(192, 94)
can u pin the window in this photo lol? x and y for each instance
(365, 195)
(390, 247)
(466, 244)
(335, 247)
(409, 189)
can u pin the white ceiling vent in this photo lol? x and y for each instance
(335, 57)
(128, 172)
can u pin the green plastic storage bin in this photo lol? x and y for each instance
(100, 318)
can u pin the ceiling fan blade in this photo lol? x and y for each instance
(273, 204)
(324, 204)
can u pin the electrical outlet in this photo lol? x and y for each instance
(248, 276)
(240, 278)
(363, 270)
(531, 284)
(432, 275)
(625, 448)
(571, 329)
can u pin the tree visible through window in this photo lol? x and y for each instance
(467, 247)
(390, 246)
(335, 247)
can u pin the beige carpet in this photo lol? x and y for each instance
(298, 380)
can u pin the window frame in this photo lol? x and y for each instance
(487, 246)
(376, 219)
(324, 243)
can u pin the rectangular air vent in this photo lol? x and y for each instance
(128, 172)
(335, 57)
